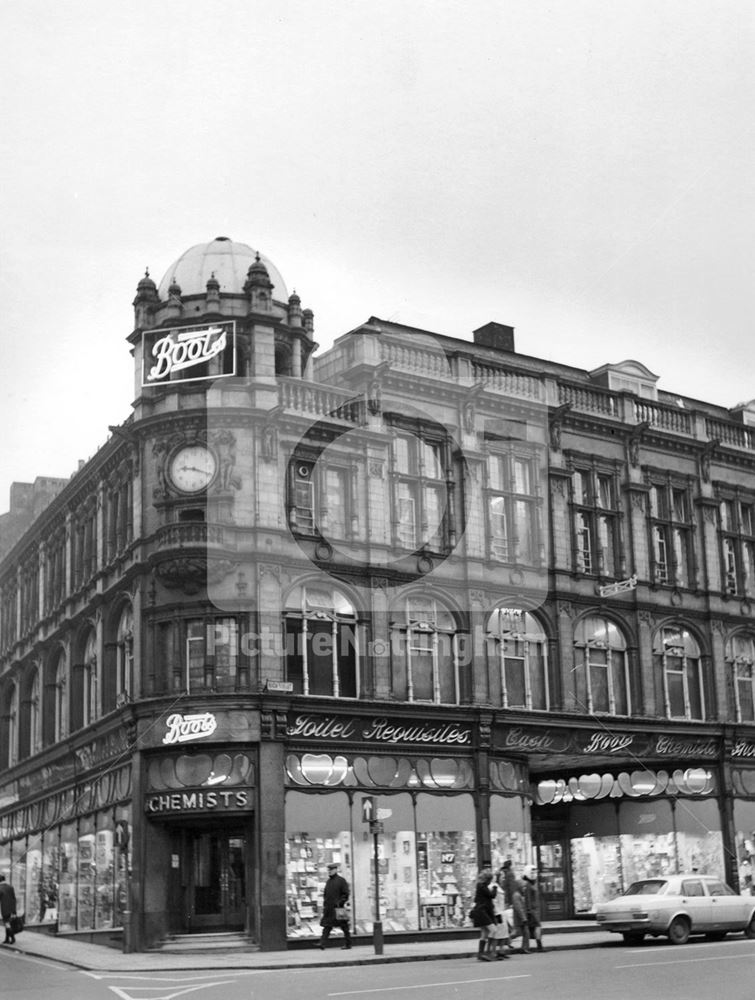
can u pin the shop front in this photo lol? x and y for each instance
(199, 809)
(403, 798)
(609, 809)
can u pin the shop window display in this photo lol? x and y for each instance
(744, 822)
(317, 833)
(699, 841)
(69, 853)
(33, 911)
(87, 871)
(103, 913)
(447, 861)
(509, 837)
(50, 863)
(595, 855)
(18, 872)
(648, 846)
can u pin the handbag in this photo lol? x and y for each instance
(341, 913)
(17, 923)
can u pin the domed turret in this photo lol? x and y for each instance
(145, 302)
(223, 261)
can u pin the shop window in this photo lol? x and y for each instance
(212, 655)
(600, 650)
(124, 663)
(509, 839)
(677, 658)
(519, 650)
(421, 472)
(33, 913)
(67, 896)
(426, 646)
(322, 642)
(87, 875)
(671, 535)
(596, 522)
(740, 656)
(49, 883)
(512, 505)
(737, 540)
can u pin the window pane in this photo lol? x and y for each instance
(619, 682)
(421, 665)
(598, 682)
(320, 657)
(675, 682)
(522, 476)
(605, 492)
(497, 472)
(335, 488)
(499, 528)
(515, 695)
(406, 516)
(523, 516)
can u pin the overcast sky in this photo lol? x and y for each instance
(582, 170)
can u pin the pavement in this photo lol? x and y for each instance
(557, 936)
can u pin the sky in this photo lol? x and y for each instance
(582, 170)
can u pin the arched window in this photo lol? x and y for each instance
(740, 655)
(89, 680)
(601, 649)
(35, 713)
(322, 642)
(677, 655)
(520, 651)
(124, 664)
(60, 688)
(10, 719)
(426, 652)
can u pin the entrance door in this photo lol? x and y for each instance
(217, 879)
(551, 845)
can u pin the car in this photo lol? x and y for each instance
(678, 906)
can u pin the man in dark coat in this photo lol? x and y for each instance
(7, 908)
(336, 893)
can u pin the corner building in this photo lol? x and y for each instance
(501, 607)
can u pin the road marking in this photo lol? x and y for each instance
(429, 986)
(159, 977)
(165, 996)
(685, 961)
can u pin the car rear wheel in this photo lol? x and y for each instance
(633, 937)
(678, 932)
(750, 928)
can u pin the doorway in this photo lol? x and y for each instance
(216, 882)
(552, 851)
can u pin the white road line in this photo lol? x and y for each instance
(160, 977)
(429, 986)
(686, 961)
(166, 996)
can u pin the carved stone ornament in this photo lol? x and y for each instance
(225, 445)
(555, 423)
(717, 625)
(269, 435)
(566, 608)
(637, 500)
(646, 618)
(376, 468)
(634, 442)
(705, 458)
(191, 573)
(709, 514)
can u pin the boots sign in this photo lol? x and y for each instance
(188, 354)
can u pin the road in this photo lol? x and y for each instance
(653, 971)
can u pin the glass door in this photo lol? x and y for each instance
(217, 882)
(551, 848)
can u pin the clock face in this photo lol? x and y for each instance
(193, 468)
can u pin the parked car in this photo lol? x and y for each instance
(677, 906)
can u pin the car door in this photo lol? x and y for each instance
(697, 903)
(727, 908)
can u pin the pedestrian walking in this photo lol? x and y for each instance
(335, 897)
(501, 934)
(483, 915)
(532, 907)
(7, 908)
(520, 917)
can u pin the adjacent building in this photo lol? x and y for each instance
(412, 603)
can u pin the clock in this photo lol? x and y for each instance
(193, 468)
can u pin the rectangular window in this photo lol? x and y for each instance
(596, 520)
(212, 649)
(737, 546)
(304, 497)
(335, 499)
(421, 495)
(671, 535)
(512, 508)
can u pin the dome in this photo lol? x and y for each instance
(227, 260)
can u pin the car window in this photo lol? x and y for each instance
(692, 887)
(719, 889)
(649, 887)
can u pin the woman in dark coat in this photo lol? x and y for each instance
(7, 908)
(336, 893)
(532, 906)
(485, 915)
(521, 926)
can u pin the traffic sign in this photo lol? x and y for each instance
(369, 809)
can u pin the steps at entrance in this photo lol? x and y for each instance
(219, 941)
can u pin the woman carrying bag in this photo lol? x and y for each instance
(483, 915)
